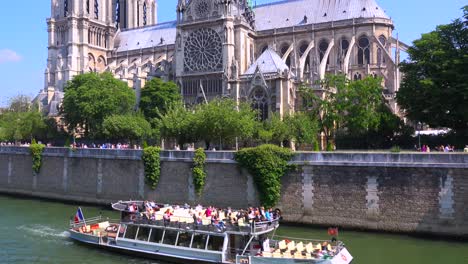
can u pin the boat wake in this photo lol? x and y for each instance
(43, 231)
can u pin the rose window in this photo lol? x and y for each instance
(203, 51)
(201, 9)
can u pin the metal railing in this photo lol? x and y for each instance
(92, 221)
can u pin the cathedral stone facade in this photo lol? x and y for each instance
(222, 48)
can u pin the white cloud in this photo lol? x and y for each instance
(7, 55)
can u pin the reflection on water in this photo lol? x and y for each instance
(34, 231)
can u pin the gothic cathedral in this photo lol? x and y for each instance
(222, 48)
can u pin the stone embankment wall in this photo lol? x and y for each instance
(415, 192)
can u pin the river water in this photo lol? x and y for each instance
(34, 231)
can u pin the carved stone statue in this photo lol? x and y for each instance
(234, 67)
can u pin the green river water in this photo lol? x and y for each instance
(34, 231)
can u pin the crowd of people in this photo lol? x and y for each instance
(199, 215)
(78, 145)
(441, 148)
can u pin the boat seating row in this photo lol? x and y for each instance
(298, 250)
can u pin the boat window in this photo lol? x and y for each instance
(199, 241)
(170, 237)
(122, 230)
(131, 232)
(156, 235)
(184, 239)
(215, 243)
(143, 233)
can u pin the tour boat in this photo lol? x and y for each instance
(185, 239)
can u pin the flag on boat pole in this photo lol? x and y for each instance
(79, 216)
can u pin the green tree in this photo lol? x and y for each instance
(178, 123)
(126, 127)
(347, 106)
(304, 127)
(20, 103)
(275, 130)
(157, 97)
(91, 97)
(221, 120)
(434, 90)
(22, 126)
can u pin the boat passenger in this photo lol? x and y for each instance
(208, 212)
(167, 217)
(268, 215)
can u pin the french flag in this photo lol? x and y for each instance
(79, 216)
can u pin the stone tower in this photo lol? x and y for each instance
(81, 38)
(207, 59)
(135, 13)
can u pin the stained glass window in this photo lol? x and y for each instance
(380, 56)
(96, 9)
(145, 16)
(203, 51)
(65, 8)
(363, 51)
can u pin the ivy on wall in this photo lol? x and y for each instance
(198, 170)
(267, 164)
(36, 152)
(152, 164)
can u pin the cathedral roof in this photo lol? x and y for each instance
(146, 37)
(288, 13)
(269, 62)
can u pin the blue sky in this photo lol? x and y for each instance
(23, 35)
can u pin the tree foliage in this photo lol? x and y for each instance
(157, 97)
(221, 120)
(22, 121)
(90, 98)
(218, 121)
(304, 127)
(350, 107)
(178, 123)
(434, 90)
(267, 164)
(126, 127)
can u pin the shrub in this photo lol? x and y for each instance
(395, 149)
(330, 146)
(316, 146)
(36, 152)
(198, 170)
(267, 164)
(152, 163)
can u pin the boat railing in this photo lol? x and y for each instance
(91, 221)
(265, 226)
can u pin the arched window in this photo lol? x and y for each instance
(284, 49)
(117, 14)
(96, 9)
(323, 46)
(65, 8)
(342, 50)
(364, 51)
(145, 15)
(260, 103)
(380, 56)
(357, 76)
